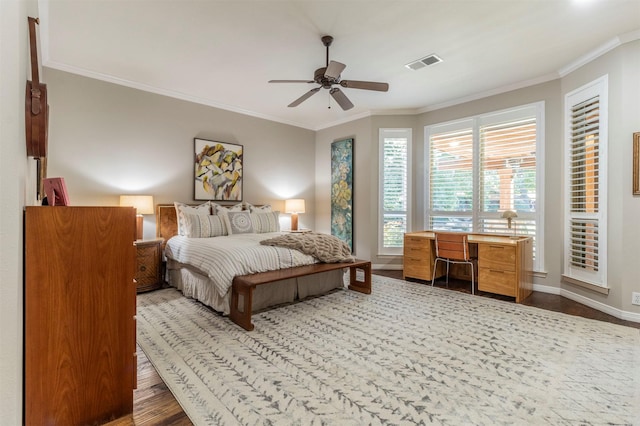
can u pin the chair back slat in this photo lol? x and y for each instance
(452, 246)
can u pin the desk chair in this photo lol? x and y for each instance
(452, 248)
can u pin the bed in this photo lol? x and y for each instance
(190, 270)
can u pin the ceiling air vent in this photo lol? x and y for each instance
(423, 62)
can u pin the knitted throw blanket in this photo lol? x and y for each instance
(326, 248)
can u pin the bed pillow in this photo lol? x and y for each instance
(261, 209)
(182, 209)
(204, 226)
(266, 222)
(239, 223)
(220, 209)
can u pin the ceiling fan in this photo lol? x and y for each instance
(328, 76)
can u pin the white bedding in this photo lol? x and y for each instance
(222, 258)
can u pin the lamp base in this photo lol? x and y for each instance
(294, 221)
(139, 227)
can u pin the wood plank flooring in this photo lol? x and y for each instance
(155, 405)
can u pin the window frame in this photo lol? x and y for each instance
(383, 134)
(474, 123)
(600, 88)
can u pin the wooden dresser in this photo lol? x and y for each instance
(505, 264)
(79, 315)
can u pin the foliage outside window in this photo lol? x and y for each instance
(479, 167)
(394, 187)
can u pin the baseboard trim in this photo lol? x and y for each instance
(394, 267)
(618, 313)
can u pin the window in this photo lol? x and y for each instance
(395, 151)
(586, 172)
(481, 166)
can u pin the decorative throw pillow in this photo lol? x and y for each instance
(204, 226)
(182, 209)
(220, 209)
(266, 222)
(239, 223)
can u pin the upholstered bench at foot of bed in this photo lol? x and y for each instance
(243, 285)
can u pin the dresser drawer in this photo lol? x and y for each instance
(497, 256)
(497, 281)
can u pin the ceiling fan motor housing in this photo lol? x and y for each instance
(322, 80)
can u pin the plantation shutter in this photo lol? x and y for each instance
(584, 186)
(508, 175)
(586, 141)
(451, 180)
(395, 190)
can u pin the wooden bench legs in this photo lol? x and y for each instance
(363, 286)
(244, 285)
(242, 317)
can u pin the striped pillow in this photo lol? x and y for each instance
(184, 209)
(204, 226)
(266, 222)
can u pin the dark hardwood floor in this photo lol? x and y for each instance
(155, 405)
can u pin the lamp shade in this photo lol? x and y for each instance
(142, 203)
(295, 205)
(509, 214)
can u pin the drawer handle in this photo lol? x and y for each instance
(143, 268)
(496, 271)
(497, 247)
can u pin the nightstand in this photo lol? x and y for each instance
(149, 272)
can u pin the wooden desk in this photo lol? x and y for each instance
(505, 264)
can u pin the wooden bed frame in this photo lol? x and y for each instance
(244, 285)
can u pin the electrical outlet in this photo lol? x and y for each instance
(635, 298)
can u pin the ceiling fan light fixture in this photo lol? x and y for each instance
(424, 62)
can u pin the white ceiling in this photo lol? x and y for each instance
(222, 53)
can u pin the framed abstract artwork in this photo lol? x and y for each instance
(218, 171)
(342, 190)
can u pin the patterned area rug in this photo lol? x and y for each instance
(406, 354)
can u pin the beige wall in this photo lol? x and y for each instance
(364, 155)
(108, 140)
(623, 255)
(16, 190)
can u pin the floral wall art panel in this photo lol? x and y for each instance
(218, 171)
(342, 190)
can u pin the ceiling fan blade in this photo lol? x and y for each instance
(334, 69)
(341, 98)
(304, 97)
(366, 85)
(291, 81)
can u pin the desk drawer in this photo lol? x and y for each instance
(497, 256)
(420, 253)
(497, 281)
(417, 243)
(419, 271)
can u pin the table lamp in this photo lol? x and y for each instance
(294, 206)
(143, 205)
(510, 215)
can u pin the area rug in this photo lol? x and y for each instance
(406, 354)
